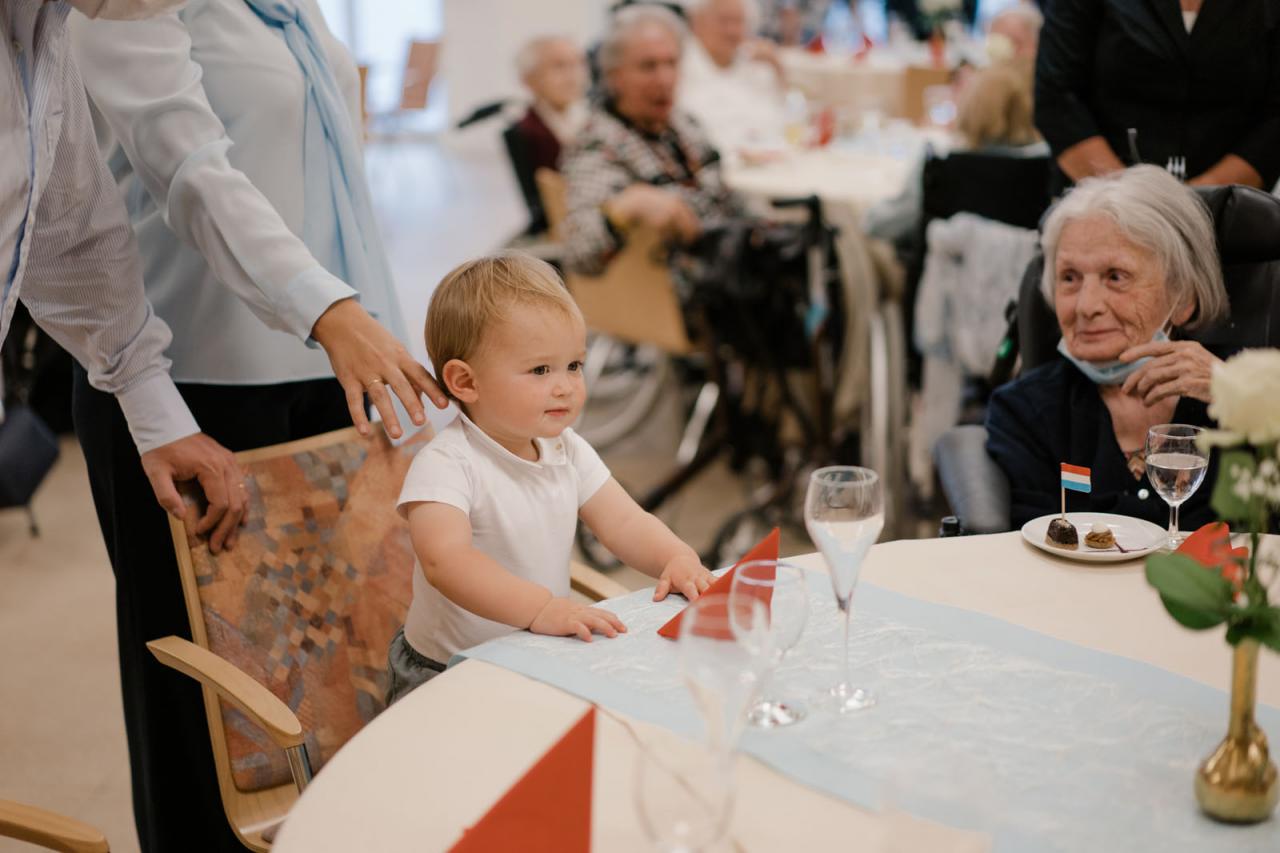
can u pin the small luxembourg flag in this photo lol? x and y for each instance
(1075, 478)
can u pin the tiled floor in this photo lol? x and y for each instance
(61, 730)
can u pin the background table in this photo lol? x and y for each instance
(429, 767)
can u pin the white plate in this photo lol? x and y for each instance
(1138, 537)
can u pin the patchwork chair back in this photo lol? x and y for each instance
(291, 626)
(635, 299)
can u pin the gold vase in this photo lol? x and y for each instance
(1237, 783)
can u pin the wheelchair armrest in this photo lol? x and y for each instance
(976, 488)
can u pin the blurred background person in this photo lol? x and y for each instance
(639, 160)
(1199, 82)
(730, 80)
(554, 70)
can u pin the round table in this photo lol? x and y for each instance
(432, 765)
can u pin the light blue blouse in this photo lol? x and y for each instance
(203, 111)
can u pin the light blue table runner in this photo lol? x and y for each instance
(980, 723)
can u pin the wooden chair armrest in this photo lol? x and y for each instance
(49, 830)
(595, 585)
(248, 696)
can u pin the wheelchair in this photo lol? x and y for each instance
(1246, 224)
(772, 333)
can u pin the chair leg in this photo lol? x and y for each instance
(31, 520)
(299, 766)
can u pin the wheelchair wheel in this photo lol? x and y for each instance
(596, 555)
(736, 537)
(624, 383)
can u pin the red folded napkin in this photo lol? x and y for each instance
(549, 809)
(1210, 546)
(765, 549)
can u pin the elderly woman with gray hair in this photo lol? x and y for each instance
(1130, 265)
(639, 161)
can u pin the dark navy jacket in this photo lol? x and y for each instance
(1054, 414)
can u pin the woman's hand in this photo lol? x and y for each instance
(686, 575)
(1176, 368)
(662, 210)
(564, 617)
(368, 358)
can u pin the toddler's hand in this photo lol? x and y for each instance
(563, 617)
(684, 575)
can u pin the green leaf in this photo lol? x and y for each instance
(1258, 622)
(1196, 620)
(1196, 597)
(1225, 502)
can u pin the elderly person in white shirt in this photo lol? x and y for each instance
(730, 81)
(234, 129)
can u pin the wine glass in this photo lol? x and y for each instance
(783, 591)
(683, 794)
(844, 513)
(723, 668)
(1176, 465)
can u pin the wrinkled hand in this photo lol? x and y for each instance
(200, 458)
(660, 209)
(1176, 368)
(685, 575)
(368, 358)
(564, 617)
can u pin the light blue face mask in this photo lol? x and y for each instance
(1109, 372)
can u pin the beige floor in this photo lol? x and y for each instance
(61, 728)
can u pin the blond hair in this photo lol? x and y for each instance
(996, 109)
(479, 293)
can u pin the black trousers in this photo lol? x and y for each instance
(176, 803)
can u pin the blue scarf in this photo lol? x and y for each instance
(334, 167)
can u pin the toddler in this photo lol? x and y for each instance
(493, 500)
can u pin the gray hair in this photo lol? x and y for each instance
(530, 56)
(1152, 209)
(1025, 12)
(625, 24)
(752, 8)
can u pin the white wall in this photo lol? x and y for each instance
(481, 38)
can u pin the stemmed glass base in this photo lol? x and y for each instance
(846, 699)
(773, 714)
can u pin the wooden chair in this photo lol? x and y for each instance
(49, 830)
(634, 300)
(290, 628)
(421, 62)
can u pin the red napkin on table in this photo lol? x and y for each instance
(1210, 546)
(765, 549)
(549, 809)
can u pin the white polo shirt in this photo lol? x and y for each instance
(523, 515)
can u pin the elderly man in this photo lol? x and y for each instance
(639, 161)
(730, 81)
(554, 71)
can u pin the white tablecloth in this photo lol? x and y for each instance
(429, 767)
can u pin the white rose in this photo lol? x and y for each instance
(1245, 391)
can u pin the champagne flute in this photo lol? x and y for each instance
(721, 668)
(844, 514)
(784, 592)
(683, 794)
(1176, 465)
